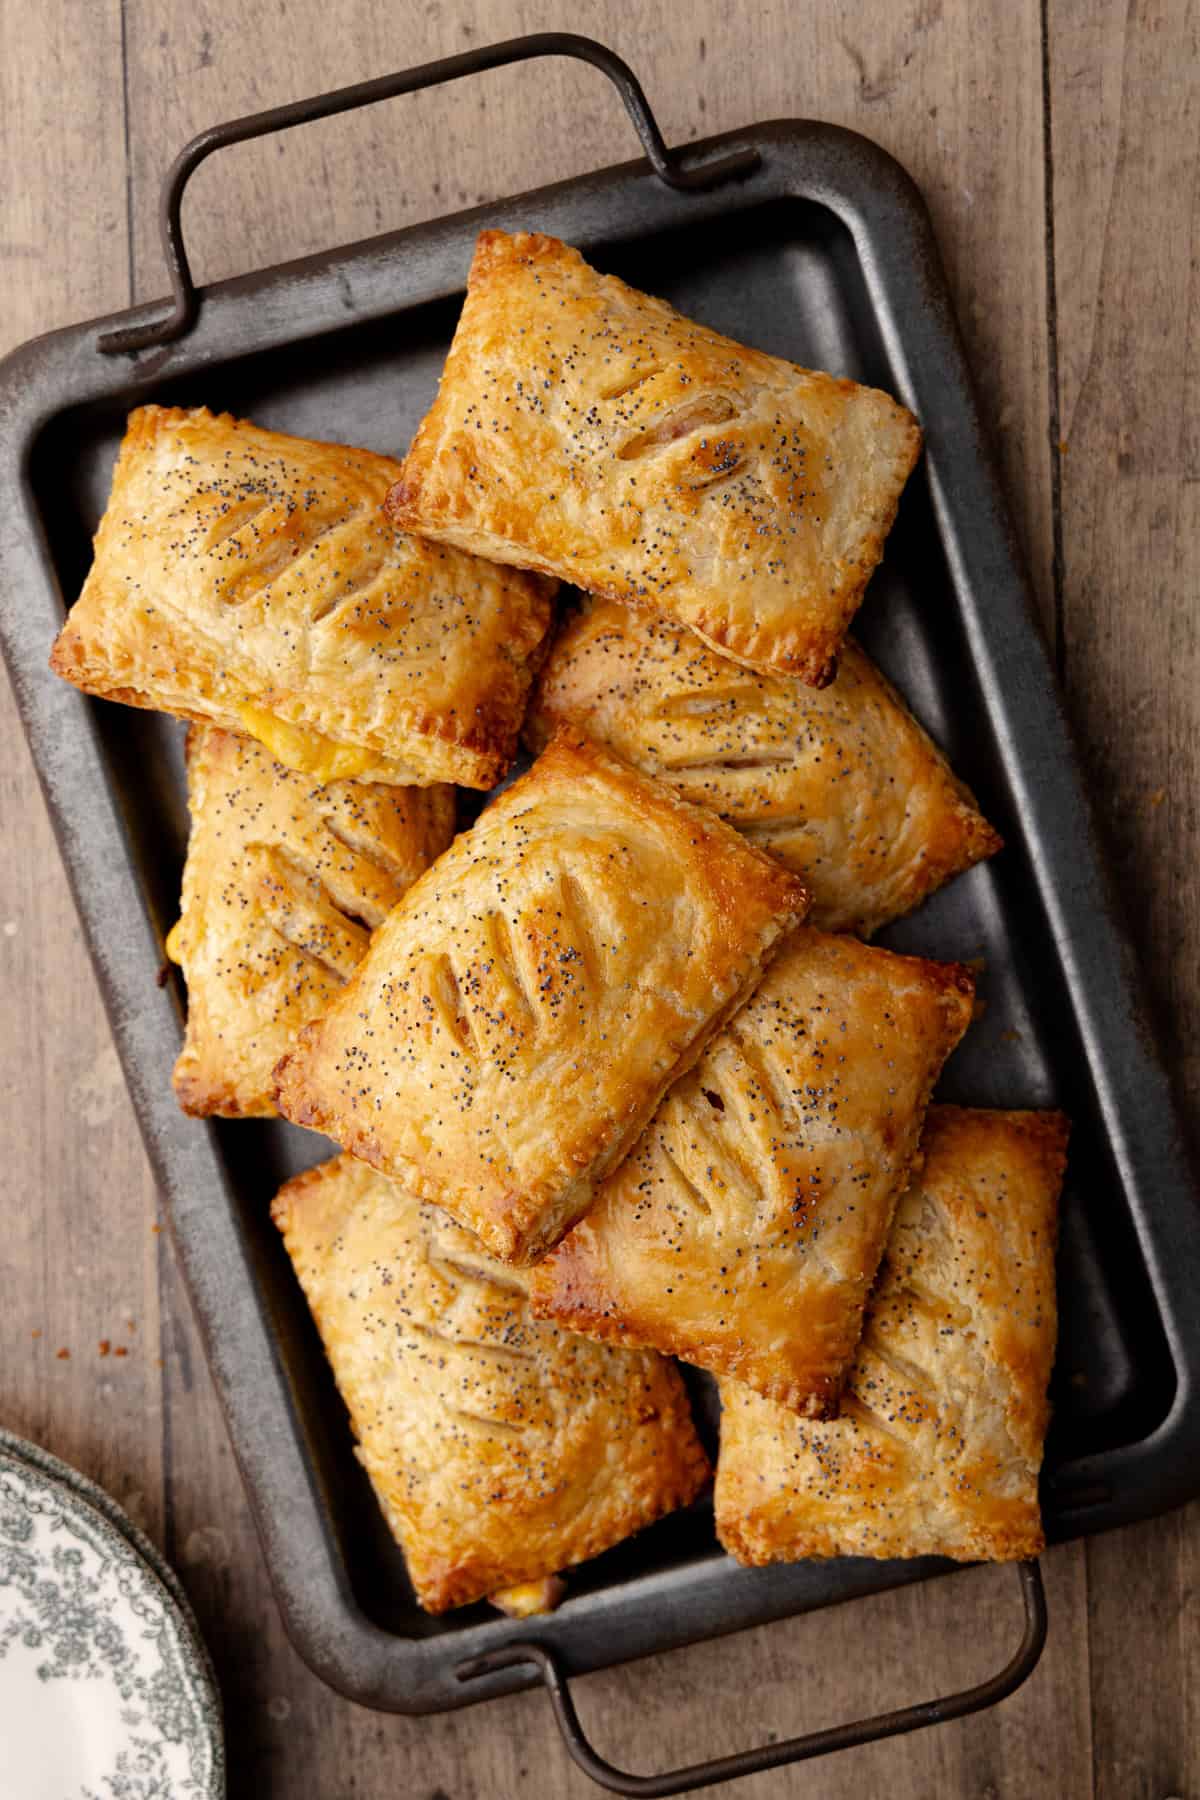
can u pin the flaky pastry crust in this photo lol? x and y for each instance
(939, 1445)
(840, 783)
(500, 1449)
(744, 1230)
(587, 430)
(284, 882)
(520, 1014)
(251, 580)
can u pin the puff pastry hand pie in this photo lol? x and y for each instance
(251, 580)
(745, 1228)
(522, 1011)
(939, 1445)
(588, 430)
(840, 783)
(284, 882)
(501, 1450)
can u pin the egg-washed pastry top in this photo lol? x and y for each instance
(841, 783)
(521, 1012)
(744, 1229)
(589, 430)
(284, 882)
(939, 1444)
(501, 1450)
(250, 579)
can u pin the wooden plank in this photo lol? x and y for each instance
(1126, 143)
(78, 1260)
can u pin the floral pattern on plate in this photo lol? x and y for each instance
(105, 1693)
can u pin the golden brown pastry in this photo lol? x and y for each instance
(745, 1228)
(501, 1450)
(939, 1445)
(251, 580)
(588, 430)
(523, 1010)
(284, 882)
(840, 783)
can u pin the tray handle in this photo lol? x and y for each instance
(792, 1750)
(665, 163)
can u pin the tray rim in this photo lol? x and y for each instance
(885, 215)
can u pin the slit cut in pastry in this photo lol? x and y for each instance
(587, 430)
(840, 783)
(284, 882)
(501, 1450)
(939, 1445)
(744, 1230)
(521, 1013)
(251, 580)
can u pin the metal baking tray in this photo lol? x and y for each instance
(810, 242)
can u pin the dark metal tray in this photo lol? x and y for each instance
(810, 242)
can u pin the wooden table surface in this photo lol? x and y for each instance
(1057, 141)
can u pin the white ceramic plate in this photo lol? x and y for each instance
(106, 1692)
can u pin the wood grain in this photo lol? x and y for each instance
(78, 1256)
(1126, 155)
(92, 94)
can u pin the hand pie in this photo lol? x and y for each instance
(250, 579)
(588, 430)
(501, 1450)
(744, 1230)
(284, 882)
(523, 1010)
(939, 1445)
(840, 783)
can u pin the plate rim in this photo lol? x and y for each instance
(87, 1498)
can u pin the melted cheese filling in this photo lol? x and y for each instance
(173, 942)
(525, 1599)
(298, 747)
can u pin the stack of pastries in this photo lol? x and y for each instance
(616, 1074)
